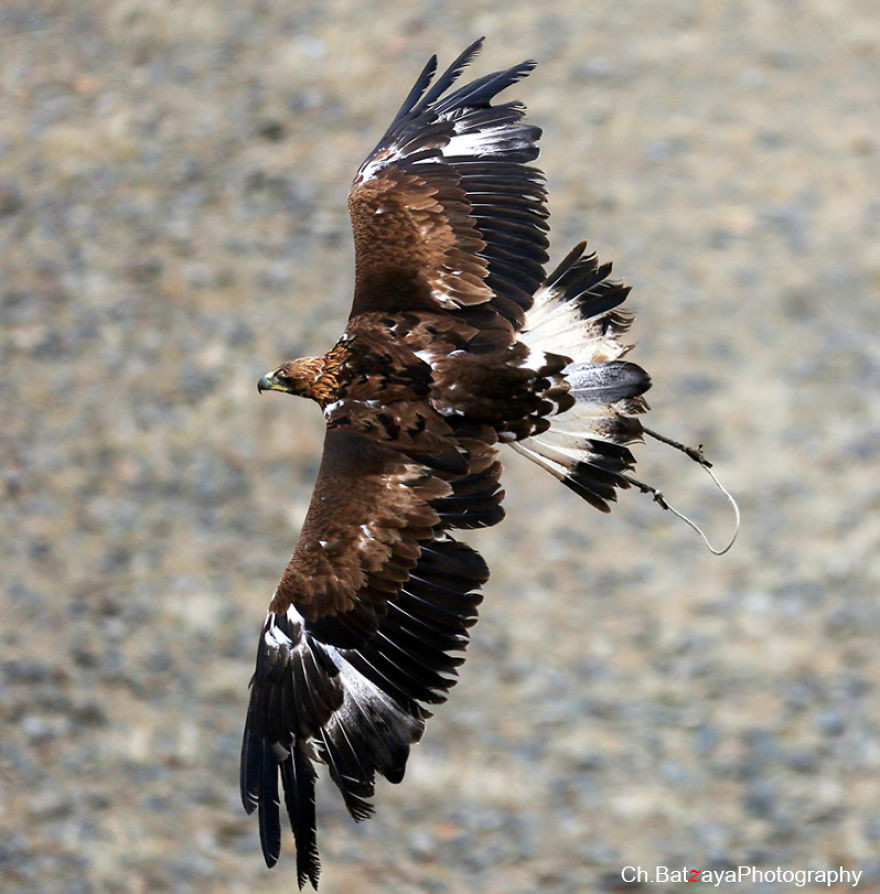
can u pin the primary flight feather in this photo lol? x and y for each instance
(457, 341)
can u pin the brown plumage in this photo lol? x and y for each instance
(457, 341)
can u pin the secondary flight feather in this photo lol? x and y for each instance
(457, 342)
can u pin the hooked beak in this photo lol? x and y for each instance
(269, 383)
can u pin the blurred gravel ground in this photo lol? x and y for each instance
(172, 224)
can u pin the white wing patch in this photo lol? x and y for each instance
(465, 142)
(492, 141)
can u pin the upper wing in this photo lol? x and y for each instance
(370, 510)
(359, 634)
(446, 212)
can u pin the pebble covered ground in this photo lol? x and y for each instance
(172, 224)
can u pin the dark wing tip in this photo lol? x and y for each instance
(414, 99)
(418, 88)
(448, 78)
(299, 793)
(269, 814)
(249, 770)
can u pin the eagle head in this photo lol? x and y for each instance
(300, 377)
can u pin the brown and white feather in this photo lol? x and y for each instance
(456, 341)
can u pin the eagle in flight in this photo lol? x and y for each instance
(458, 341)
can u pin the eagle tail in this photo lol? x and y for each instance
(576, 313)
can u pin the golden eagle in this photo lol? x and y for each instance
(457, 341)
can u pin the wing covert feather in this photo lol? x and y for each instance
(370, 507)
(439, 202)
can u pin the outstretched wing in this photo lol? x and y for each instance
(446, 212)
(362, 631)
(370, 510)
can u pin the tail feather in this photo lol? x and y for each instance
(576, 314)
(605, 383)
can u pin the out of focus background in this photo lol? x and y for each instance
(173, 179)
